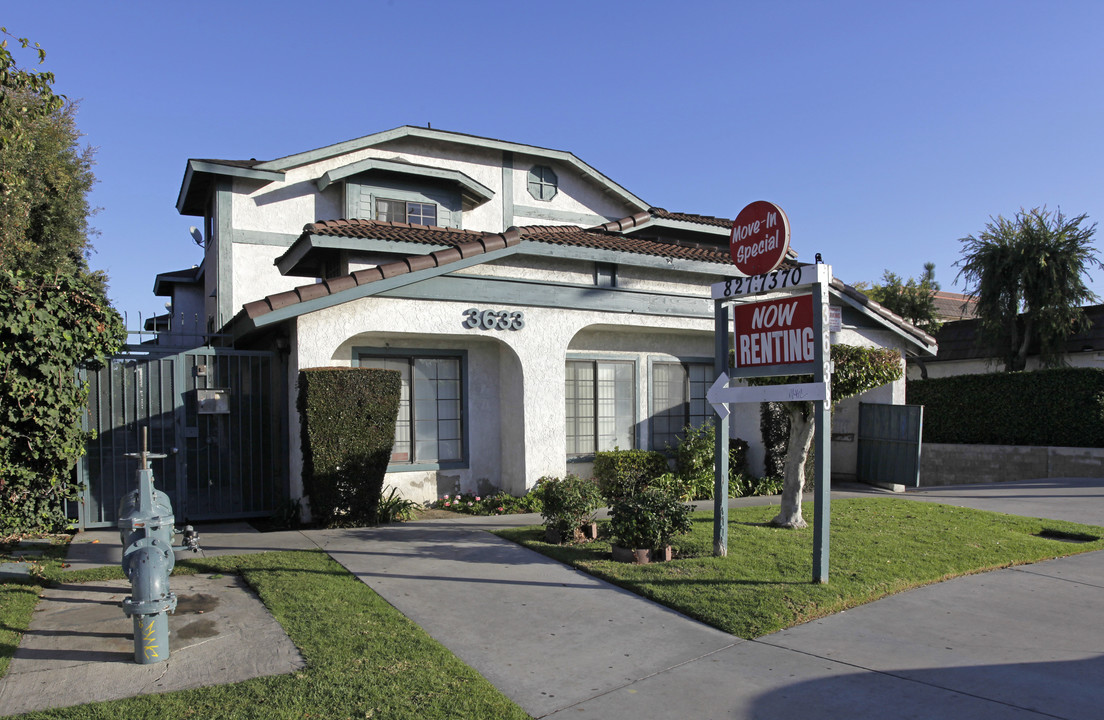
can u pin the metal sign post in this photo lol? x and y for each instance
(778, 348)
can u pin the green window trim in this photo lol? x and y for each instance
(600, 406)
(431, 431)
(543, 183)
(677, 389)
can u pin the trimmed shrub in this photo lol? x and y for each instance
(625, 472)
(569, 503)
(1061, 407)
(348, 418)
(648, 519)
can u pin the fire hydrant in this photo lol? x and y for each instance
(146, 530)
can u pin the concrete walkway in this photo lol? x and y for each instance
(1016, 643)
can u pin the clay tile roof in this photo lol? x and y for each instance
(690, 217)
(596, 238)
(405, 232)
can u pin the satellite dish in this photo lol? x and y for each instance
(196, 235)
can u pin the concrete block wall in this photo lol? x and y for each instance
(945, 464)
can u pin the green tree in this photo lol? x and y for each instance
(54, 312)
(854, 371)
(912, 299)
(1028, 277)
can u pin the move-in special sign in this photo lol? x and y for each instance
(775, 332)
(760, 238)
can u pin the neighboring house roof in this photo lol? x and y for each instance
(162, 284)
(954, 306)
(962, 340)
(857, 299)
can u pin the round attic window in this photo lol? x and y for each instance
(542, 182)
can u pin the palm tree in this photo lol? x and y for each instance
(1027, 275)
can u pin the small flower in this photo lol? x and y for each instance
(477, 498)
(447, 504)
(502, 509)
(446, 497)
(470, 503)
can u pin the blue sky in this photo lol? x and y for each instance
(885, 130)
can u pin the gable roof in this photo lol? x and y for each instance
(199, 174)
(466, 248)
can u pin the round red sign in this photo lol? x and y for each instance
(760, 238)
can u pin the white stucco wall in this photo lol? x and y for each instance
(515, 401)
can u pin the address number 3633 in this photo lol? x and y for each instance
(494, 319)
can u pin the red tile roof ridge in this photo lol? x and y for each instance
(363, 223)
(484, 243)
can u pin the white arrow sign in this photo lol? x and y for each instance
(720, 395)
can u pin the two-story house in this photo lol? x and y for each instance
(537, 310)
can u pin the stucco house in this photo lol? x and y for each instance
(537, 310)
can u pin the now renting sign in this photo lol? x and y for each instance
(775, 332)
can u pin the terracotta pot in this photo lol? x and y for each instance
(583, 532)
(641, 556)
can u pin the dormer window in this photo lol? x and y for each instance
(542, 182)
(417, 213)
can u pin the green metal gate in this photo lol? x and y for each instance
(216, 413)
(889, 443)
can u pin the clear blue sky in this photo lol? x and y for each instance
(886, 130)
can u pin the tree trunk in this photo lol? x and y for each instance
(797, 449)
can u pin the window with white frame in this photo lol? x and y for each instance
(418, 213)
(678, 400)
(429, 429)
(600, 406)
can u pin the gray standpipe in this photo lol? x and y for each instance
(146, 531)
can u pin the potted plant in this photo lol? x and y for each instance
(644, 523)
(569, 505)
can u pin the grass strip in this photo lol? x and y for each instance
(878, 547)
(364, 658)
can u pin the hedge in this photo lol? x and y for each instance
(347, 417)
(625, 472)
(1061, 407)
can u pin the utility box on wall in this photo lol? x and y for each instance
(213, 401)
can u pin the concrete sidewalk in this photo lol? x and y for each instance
(1017, 643)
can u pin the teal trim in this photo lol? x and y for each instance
(506, 291)
(638, 382)
(224, 280)
(714, 272)
(465, 452)
(361, 291)
(307, 245)
(654, 360)
(574, 218)
(507, 189)
(879, 321)
(199, 177)
(260, 237)
(473, 192)
(683, 225)
(452, 138)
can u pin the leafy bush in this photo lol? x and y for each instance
(625, 472)
(396, 508)
(649, 519)
(348, 424)
(48, 326)
(569, 503)
(1060, 407)
(694, 462)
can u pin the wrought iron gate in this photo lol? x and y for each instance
(889, 443)
(216, 413)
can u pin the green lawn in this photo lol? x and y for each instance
(877, 547)
(364, 659)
